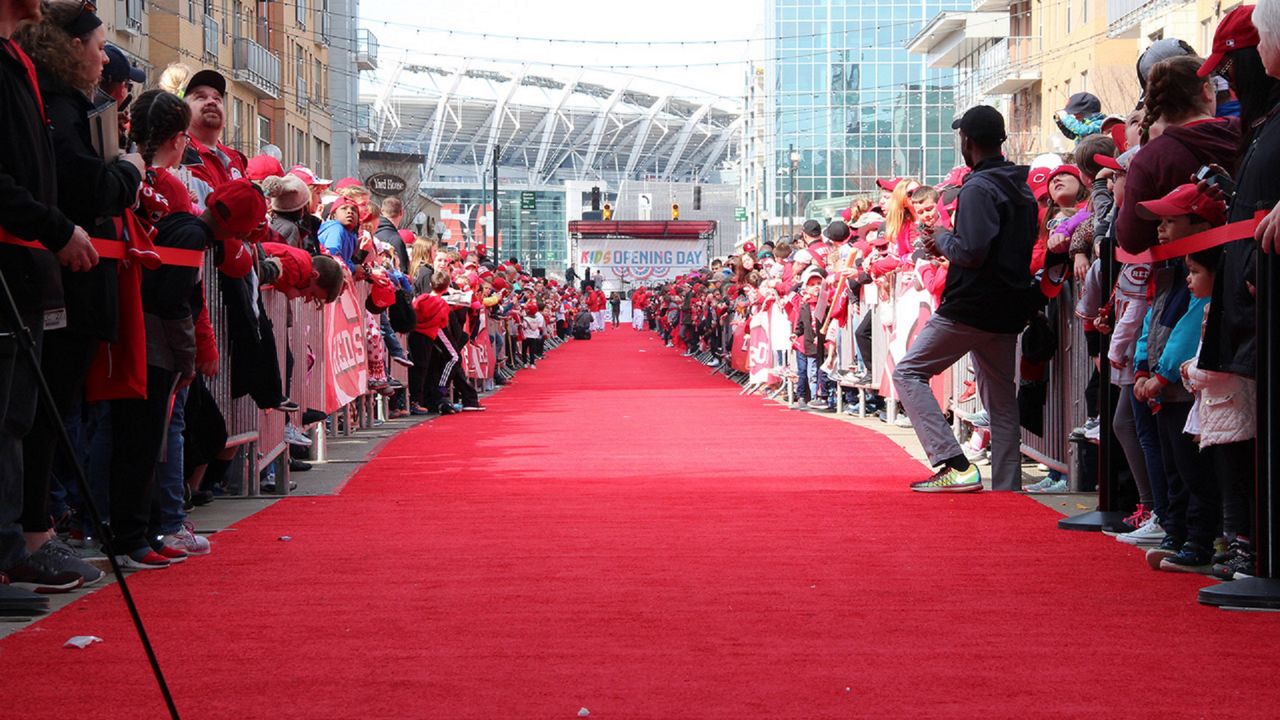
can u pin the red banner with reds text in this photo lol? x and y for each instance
(346, 350)
(759, 349)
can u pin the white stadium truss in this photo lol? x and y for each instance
(554, 130)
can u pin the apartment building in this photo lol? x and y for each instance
(275, 57)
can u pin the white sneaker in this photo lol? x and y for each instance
(974, 456)
(903, 421)
(189, 542)
(294, 436)
(1092, 433)
(1049, 486)
(1149, 534)
(1039, 486)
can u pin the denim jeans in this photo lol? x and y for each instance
(18, 400)
(1145, 424)
(1195, 507)
(807, 369)
(167, 514)
(394, 348)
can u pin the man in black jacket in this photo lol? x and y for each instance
(28, 213)
(984, 307)
(389, 229)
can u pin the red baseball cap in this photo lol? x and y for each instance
(1235, 31)
(888, 184)
(1038, 181)
(239, 206)
(346, 182)
(1185, 200)
(1071, 170)
(307, 176)
(262, 167)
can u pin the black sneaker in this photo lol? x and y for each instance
(31, 575)
(1239, 563)
(57, 556)
(296, 465)
(311, 415)
(1192, 557)
(1166, 549)
(200, 498)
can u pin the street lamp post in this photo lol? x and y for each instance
(794, 157)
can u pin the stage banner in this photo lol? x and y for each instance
(912, 308)
(639, 260)
(345, 348)
(739, 357)
(759, 349)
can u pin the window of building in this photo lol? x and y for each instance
(237, 123)
(264, 131)
(300, 143)
(302, 13)
(1084, 12)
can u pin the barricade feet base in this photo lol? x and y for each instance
(1093, 521)
(1244, 594)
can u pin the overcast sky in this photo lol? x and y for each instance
(414, 28)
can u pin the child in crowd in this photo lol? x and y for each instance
(1223, 418)
(532, 326)
(1169, 339)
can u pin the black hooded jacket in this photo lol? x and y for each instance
(28, 192)
(989, 281)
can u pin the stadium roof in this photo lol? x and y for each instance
(555, 129)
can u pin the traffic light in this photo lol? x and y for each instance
(675, 211)
(608, 212)
(697, 197)
(595, 197)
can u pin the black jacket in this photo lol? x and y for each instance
(388, 234)
(28, 192)
(989, 281)
(1230, 330)
(172, 296)
(807, 328)
(92, 193)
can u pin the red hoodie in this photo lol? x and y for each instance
(433, 314)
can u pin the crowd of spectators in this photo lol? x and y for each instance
(1003, 252)
(123, 216)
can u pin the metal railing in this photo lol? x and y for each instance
(256, 66)
(1124, 14)
(133, 11)
(366, 50)
(211, 38)
(1006, 59)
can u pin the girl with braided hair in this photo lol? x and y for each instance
(1179, 135)
(159, 129)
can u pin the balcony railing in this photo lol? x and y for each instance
(1009, 65)
(366, 50)
(211, 36)
(1124, 15)
(133, 10)
(256, 67)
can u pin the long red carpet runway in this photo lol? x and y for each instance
(621, 532)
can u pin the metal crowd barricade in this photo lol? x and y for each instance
(241, 414)
(271, 444)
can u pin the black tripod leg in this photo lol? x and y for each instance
(28, 346)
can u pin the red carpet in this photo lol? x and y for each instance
(637, 540)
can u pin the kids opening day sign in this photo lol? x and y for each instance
(638, 259)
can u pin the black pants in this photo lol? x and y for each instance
(617, 315)
(862, 336)
(65, 361)
(137, 435)
(1195, 508)
(420, 354)
(446, 371)
(1233, 463)
(532, 349)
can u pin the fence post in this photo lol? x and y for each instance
(1262, 592)
(1106, 514)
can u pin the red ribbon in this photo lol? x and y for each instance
(116, 250)
(1241, 230)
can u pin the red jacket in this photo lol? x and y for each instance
(205, 164)
(295, 268)
(433, 314)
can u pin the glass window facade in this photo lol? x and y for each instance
(852, 101)
(537, 236)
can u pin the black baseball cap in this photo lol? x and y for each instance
(812, 228)
(837, 231)
(208, 78)
(119, 69)
(982, 124)
(1083, 103)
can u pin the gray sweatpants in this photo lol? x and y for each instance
(939, 346)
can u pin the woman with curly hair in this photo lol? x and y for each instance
(67, 48)
(1179, 134)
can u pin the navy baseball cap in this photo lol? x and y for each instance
(119, 69)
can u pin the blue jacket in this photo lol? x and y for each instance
(339, 241)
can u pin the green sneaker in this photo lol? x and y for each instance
(950, 480)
